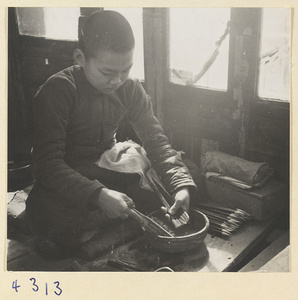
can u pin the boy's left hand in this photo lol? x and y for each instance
(182, 199)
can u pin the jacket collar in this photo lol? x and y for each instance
(84, 83)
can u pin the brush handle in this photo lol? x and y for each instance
(132, 213)
(181, 217)
(147, 223)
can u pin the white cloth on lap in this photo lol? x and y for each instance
(127, 157)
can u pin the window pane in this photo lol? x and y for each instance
(274, 68)
(135, 17)
(49, 22)
(199, 47)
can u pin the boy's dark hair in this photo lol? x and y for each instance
(106, 30)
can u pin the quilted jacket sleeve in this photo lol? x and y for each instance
(166, 161)
(52, 108)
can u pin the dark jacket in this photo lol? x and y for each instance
(75, 124)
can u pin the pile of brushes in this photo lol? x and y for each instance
(223, 220)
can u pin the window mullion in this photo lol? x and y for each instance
(155, 56)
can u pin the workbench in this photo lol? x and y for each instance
(215, 254)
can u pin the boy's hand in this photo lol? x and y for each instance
(181, 200)
(114, 204)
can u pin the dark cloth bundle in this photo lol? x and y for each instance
(236, 170)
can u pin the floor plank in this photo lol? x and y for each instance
(268, 253)
(226, 255)
(279, 263)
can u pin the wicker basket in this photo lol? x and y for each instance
(184, 240)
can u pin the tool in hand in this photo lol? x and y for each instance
(147, 223)
(181, 217)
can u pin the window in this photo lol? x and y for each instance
(199, 47)
(274, 67)
(49, 22)
(135, 19)
(61, 23)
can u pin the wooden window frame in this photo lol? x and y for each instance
(236, 104)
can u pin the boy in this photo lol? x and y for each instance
(77, 113)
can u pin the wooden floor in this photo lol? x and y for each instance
(216, 254)
(256, 246)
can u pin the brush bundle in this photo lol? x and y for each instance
(181, 217)
(223, 220)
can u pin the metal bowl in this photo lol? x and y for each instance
(187, 237)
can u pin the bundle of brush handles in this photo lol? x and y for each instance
(223, 220)
(180, 218)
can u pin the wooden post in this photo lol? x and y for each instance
(154, 53)
(245, 31)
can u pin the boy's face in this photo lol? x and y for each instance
(108, 70)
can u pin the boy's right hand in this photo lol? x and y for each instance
(114, 204)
